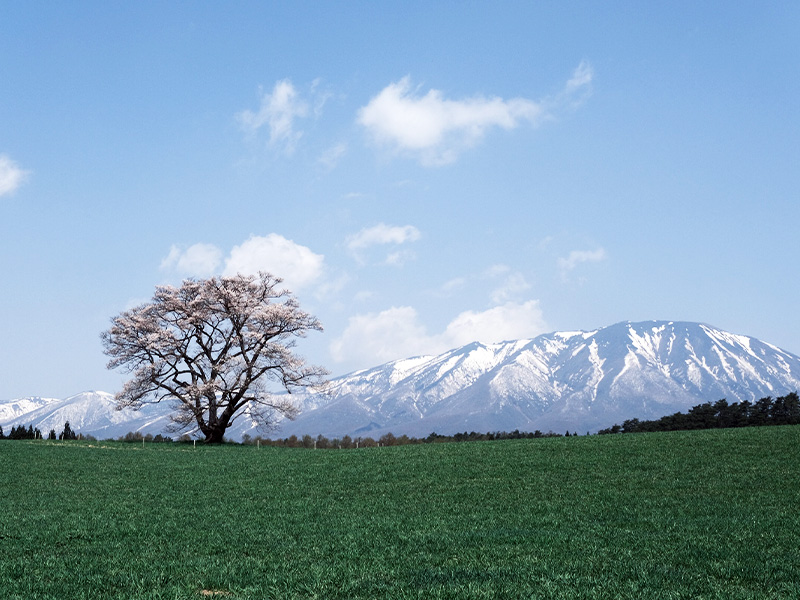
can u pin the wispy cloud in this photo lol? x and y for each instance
(578, 87)
(278, 110)
(511, 287)
(353, 196)
(436, 130)
(399, 258)
(504, 285)
(331, 157)
(578, 257)
(451, 286)
(382, 235)
(11, 175)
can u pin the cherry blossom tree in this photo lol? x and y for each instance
(216, 348)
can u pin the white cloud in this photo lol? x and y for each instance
(509, 321)
(11, 175)
(578, 257)
(382, 235)
(199, 260)
(395, 333)
(278, 110)
(379, 337)
(297, 265)
(436, 130)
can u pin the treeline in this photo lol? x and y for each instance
(389, 439)
(20, 432)
(33, 433)
(319, 442)
(783, 410)
(136, 436)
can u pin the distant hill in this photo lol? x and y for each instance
(577, 381)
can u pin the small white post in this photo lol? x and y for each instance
(195, 443)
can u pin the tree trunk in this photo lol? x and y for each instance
(214, 435)
(214, 430)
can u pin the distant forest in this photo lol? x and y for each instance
(784, 410)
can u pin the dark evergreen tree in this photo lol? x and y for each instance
(701, 416)
(786, 410)
(68, 434)
(761, 411)
(741, 414)
(724, 413)
(792, 404)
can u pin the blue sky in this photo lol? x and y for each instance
(421, 174)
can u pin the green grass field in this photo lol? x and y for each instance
(704, 514)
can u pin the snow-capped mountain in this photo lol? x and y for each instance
(13, 408)
(90, 413)
(577, 381)
(580, 381)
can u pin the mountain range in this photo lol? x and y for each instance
(578, 381)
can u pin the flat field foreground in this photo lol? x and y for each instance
(704, 514)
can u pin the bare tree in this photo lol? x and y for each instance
(215, 347)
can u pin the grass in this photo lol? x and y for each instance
(704, 514)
